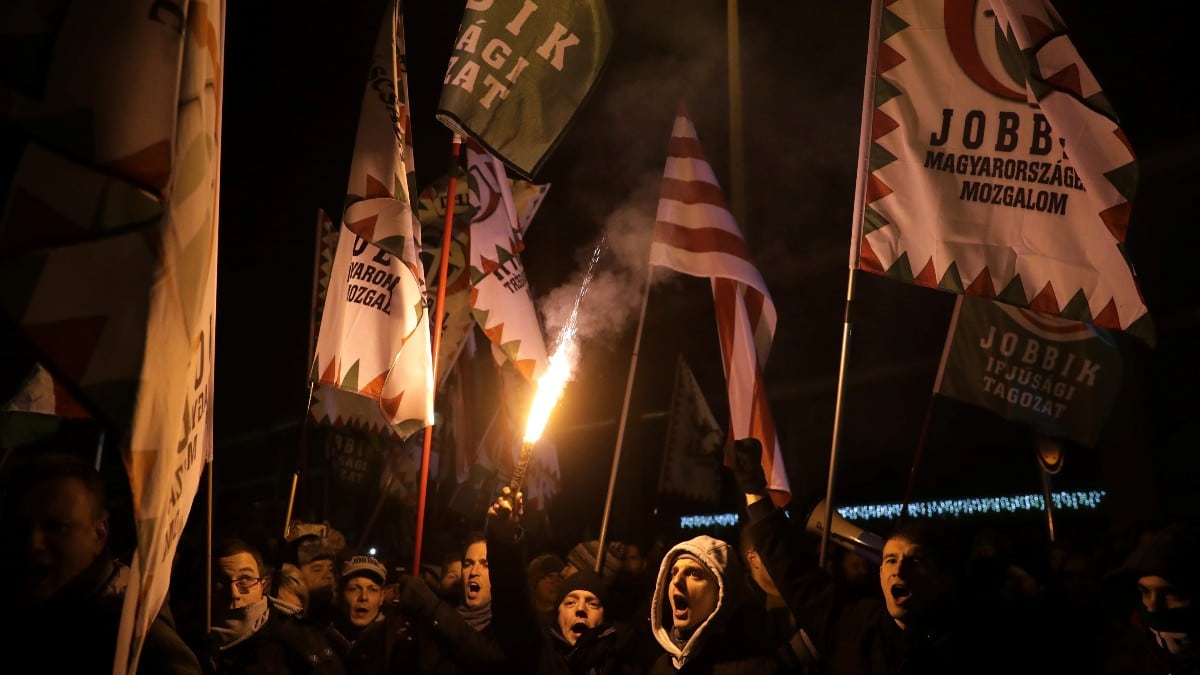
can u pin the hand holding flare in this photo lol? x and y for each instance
(504, 515)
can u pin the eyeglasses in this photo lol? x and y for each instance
(243, 584)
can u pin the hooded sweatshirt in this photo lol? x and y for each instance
(722, 561)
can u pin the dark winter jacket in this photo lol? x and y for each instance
(286, 643)
(385, 646)
(855, 635)
(76, 631)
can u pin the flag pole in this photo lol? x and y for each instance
(316, 288)
(1047, 446)
(923, 439)
(1048, 497)
(912, 470)
(444, 265)
(208, 548)
(302, 451)
(860, 187)
(736, 135)
(601, 548)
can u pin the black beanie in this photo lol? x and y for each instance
(584, 580)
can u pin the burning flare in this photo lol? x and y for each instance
(550, 386)
(554, 380)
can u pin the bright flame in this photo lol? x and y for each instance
(550, 389)
(558, 370)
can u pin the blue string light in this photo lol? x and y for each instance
(947, 508)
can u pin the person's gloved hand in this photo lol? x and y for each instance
(745, 460)
(414, 597)
(504, 516)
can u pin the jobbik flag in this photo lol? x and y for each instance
(328, 233)
(691, 459)
(172, 434)
(457, 317)
(330, 406)
(500, 298)
(371, 330)
(1056, 376)
(111, 142)
(695, 233)
(81, 211)
(997, 166)
(518, 73)
(374, 338)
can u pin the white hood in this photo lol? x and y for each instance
(722, 560)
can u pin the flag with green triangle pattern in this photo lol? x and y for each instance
(996, 165)
(374, 339)
(500, 297)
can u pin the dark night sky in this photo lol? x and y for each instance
(294, 80)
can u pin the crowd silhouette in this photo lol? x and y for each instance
(938, 596)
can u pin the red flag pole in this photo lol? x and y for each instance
(444, 264)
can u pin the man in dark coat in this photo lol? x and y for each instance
(913, 627)
(65, 588)
(255, 633)
(369, 640)
(582, 640)
(460, 637)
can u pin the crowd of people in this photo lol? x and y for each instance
(931, 601)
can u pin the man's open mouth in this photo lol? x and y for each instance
(900, 593)
(579, 628)
(472, 586)
(680, 604)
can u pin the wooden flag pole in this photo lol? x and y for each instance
(443, 267)
(601, 547)
(860, 188)
(736, 136)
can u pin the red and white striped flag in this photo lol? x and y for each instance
(695, 233)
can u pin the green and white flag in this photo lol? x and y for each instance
(500, 298)
(1057, 376)
(995, 166)
(519, 72)
(457, 318)
(374, 338)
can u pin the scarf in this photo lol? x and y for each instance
(237, 625)
(478, 617)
